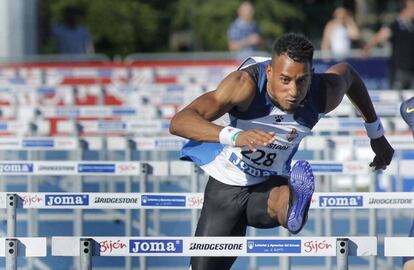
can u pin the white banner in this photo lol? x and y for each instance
(398, 246)
(143, 112)
(214, 246)
(15, 127)
(131, 127)
(39, 143)
(72, 168)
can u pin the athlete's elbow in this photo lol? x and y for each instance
(348, 74)
(174, 125)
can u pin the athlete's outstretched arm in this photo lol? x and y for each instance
(194, 121)
(341, 79)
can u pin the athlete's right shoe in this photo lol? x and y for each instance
(301, 188)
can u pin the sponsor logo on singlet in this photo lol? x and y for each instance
(293, 134)
(248, 169)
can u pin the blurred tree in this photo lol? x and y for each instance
(123, 26)
(117, 27)
(208, 21)
(272, 16)
(129, 26)
(316, 13)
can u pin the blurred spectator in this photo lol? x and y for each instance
(244, 34)
(401, 34)
(70, 36)
(339, 33)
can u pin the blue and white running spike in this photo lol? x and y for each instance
(301, 187)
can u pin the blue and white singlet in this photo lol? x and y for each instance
(241, 167)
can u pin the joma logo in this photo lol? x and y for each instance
(340, 201)
(64, 199)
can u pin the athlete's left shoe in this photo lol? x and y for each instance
(301, 188)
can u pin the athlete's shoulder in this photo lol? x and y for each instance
(254, 60)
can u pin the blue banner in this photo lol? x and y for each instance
(38, 143)
(123, 111)
(273, 246)
(326, 167)
(163, 200)
(96, 168)
(16, 168)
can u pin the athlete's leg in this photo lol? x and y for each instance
(286, 205)
(223, 214)
(259, 214)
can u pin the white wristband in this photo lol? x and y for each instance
(228, 135)
(374, 129)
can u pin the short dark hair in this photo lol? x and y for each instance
(296, 46)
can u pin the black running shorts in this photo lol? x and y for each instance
(227, 210)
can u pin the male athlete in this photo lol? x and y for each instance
(272, 104)
(407, 113)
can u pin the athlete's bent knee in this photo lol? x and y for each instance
(278, 200)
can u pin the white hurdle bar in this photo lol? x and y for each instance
(399, 246)
(174, 143)
(154, 143)
(11, 248)
(191, 201)
(161, 126)
(97, 200)
(158, 168)
(177, 168)
(86, 247)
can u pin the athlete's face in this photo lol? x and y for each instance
(288, 81)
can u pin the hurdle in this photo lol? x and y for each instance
(87, 247)
(189, 201)
(174, 200)
(12, 247)
(124, 125)
(188, 169)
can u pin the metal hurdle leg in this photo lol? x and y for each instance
(353, 230)
(156, 218)
(317, 217)
(342, 252)
(143, 213)
(11, 215)
(128, 212)
(389, 226)
(252, 259)
(33, 214)
(86, 254)
(328, 223)
(284, 261)
(329, 154)
(78, 187)
(11, 254)
(372, 229)
(195, 178)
